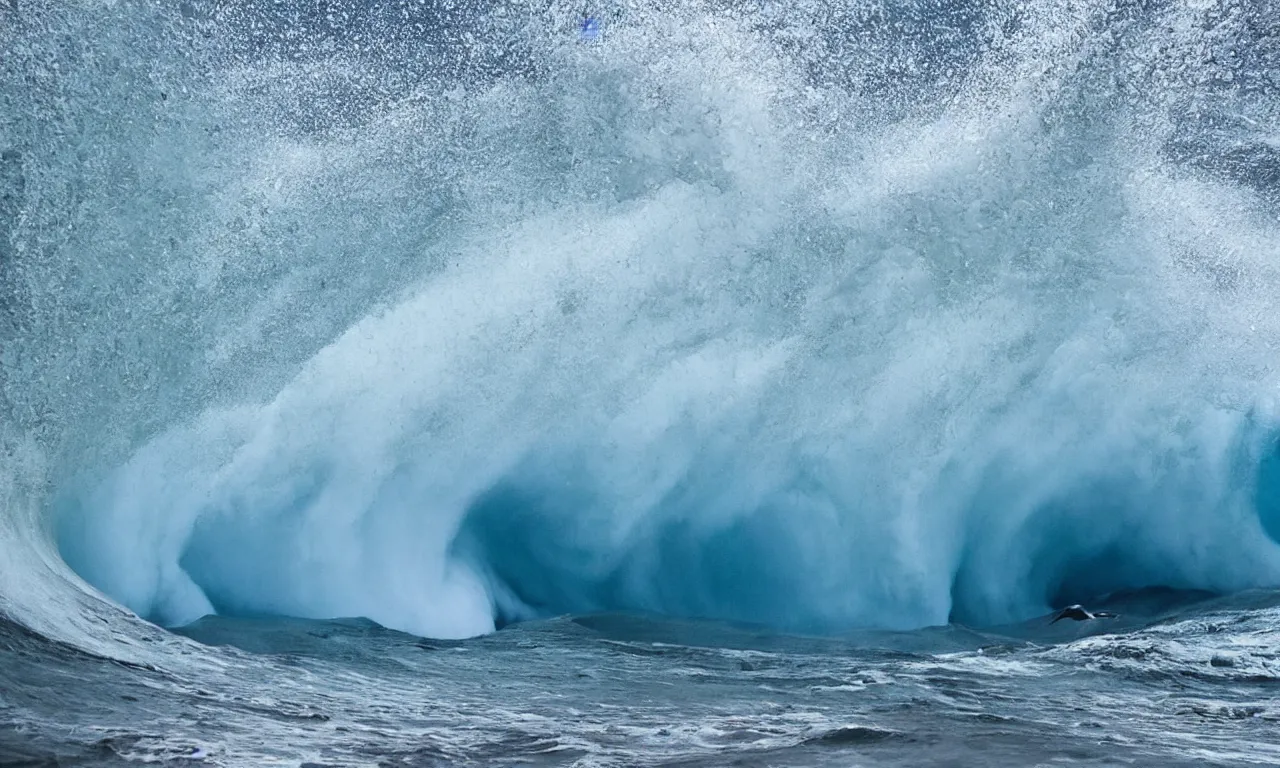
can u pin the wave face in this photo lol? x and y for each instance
(877, 315)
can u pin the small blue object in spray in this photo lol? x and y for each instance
(589, 29)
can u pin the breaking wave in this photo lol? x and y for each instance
(867, 315)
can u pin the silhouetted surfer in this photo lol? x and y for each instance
(1078, 613)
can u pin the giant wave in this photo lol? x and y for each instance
(820, 320)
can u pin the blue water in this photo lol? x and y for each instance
(781, 324)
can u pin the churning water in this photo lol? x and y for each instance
(762, 373)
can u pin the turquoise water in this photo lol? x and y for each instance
(821, 320)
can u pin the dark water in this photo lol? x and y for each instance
(1192, 684)
(743, 385)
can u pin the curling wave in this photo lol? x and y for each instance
(822, 321)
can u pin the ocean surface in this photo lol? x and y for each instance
(727, 383)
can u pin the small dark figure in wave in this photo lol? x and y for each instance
(1078, 613)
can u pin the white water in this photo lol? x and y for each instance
(676, 323)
